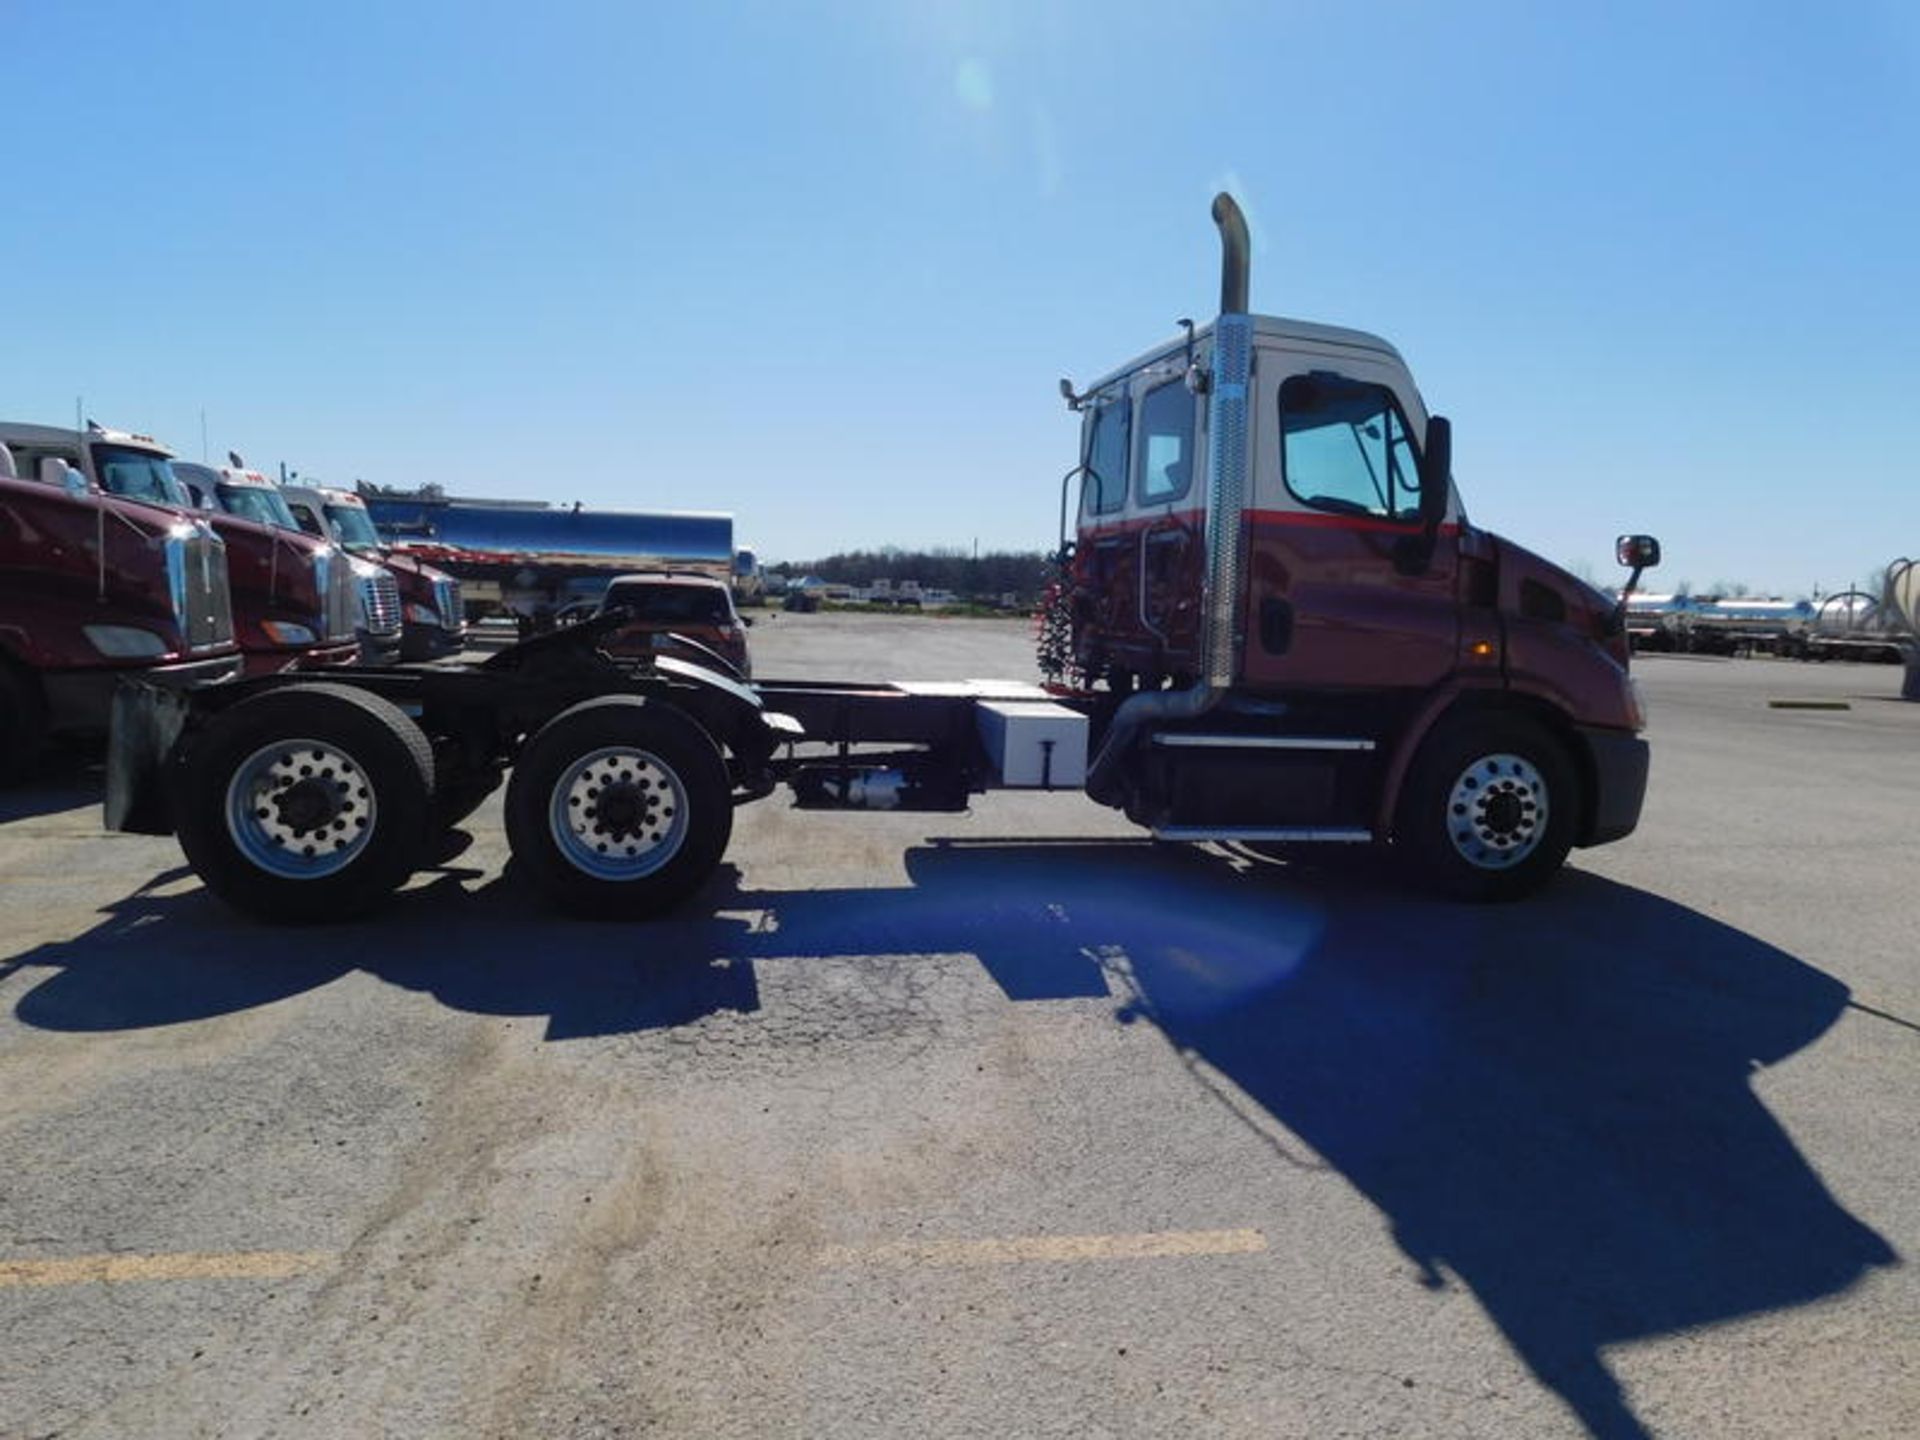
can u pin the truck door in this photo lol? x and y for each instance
(1335, 598)
(1142, 525)
(1103, 559)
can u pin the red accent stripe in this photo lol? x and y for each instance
(1302, 519)
(1321, 520)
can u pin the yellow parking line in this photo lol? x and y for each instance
(1152, 1245)
(111, 1269)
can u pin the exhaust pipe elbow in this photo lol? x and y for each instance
(1235, 250)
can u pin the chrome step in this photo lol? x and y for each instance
(1180, 740)
(1310, 835)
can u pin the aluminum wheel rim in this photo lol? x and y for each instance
(1497, 811)
(619, 813)
(301, 809)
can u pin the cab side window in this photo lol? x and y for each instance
(309, 522)
(1346, 448)
(1166, 444)
(1104, 490)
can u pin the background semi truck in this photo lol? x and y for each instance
(424, 599)
(94, 588)
(311, 590)
(1277, 627)
(285, 591)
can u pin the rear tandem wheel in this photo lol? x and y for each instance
(308, 802)
(619, 808)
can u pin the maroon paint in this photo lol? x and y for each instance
(1563, 663)
(50, 579)
(1106, 572)
(1357, 622)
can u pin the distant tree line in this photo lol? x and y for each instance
(1022, 572)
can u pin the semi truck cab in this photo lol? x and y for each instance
(311, 594)
(424, 600)
(1293, 634)
(94, 588)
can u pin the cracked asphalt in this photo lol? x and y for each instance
(1005, 1123)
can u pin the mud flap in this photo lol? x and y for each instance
(145, 725)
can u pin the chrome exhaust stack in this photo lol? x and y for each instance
(1220, 638)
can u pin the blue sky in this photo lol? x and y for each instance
(821, 264)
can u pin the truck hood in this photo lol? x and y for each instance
(1519, 564)
(403, 564)
(1588, 610)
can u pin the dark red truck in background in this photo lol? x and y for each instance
(94, 588)
(298, 599)
(431, 614)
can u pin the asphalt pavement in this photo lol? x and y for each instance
(1004, 1123)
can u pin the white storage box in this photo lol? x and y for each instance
(1034, 743)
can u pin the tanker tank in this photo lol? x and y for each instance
(533, 560)
(1900, 612)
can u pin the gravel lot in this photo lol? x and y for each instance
(1006, 1123)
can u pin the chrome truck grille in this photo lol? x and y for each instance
(197, 581)
(380, 602)
(339, 593)
(446, 599)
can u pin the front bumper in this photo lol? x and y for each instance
(430, 642)
(377, 648)
(1620, 762)
(81, 701)
(302, 657)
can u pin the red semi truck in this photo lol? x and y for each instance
(360, 617)
(94, 588)
(1278, 627)
(433, 619)
(292, 599)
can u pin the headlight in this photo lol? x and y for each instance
(422, 614)
(283, 632)
(125, 642)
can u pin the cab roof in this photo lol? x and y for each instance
(66, 435)
(1265, 327)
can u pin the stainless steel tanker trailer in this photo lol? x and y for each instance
(532, 560)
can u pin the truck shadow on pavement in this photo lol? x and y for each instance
(1551, 1103)
(62, 779)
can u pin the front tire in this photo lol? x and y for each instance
(1489, 808)
(308, 802)
(619, 808)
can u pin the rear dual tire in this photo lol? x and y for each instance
(619, 808)
(306, 803)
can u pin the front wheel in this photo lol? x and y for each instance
(619, 808)
(1489, 808)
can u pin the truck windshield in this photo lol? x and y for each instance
(139, 475)
(256, 502)
(353, 526)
